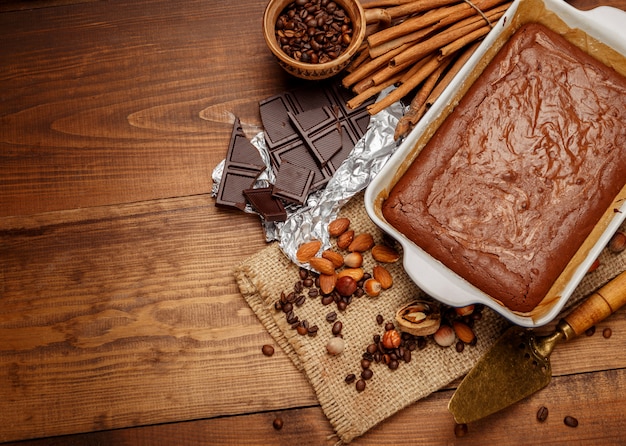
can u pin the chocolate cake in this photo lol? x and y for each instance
(520, 172)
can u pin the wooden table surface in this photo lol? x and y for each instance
(120, 320)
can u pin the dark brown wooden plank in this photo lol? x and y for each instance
(123, 101)
(426, 422)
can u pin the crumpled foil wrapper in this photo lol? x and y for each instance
(310, 221)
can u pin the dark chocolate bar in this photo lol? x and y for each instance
(299, 154)
(316, 129)
(262, 200)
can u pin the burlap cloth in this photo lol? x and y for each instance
(262, 277)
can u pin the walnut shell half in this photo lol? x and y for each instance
(420, 318)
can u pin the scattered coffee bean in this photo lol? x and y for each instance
(350, 378)
(542, 414)
(302, 330)
(267, 350)
(460, 430)
(331, 317)
(460, 346)
(367, 374)
(277, 423)
(607, 332)
(570, 421)
(590, 331)
(379, 319)
(360, 385)
(337, 327)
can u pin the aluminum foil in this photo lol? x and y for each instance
(309, 221)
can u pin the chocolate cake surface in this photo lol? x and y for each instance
(520, 172)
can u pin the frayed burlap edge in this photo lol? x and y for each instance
(264, 275)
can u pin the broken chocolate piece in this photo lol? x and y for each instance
(241, 152)
(262, 200)
(242, 166)
(293, 182)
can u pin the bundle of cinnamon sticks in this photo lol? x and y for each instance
(418, 46)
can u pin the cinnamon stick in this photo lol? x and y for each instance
(406, 87)
(370, 66)
(416, 109)
(454, 32)
(360, 98)
(385, 47)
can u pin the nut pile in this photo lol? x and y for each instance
(338, 278)
(395, 345)
(313, 31)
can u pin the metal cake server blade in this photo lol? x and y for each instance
(518, 364)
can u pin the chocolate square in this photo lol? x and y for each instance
(293, 182)
(274, 116)
(234, 181)
(299, 154)
(348, 141)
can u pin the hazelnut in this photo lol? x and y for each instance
(335, 345)
(444, 336)
(353, 260)
(391, 339)
(372, 287)
(345, 286)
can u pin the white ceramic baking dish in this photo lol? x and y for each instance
(605, 25)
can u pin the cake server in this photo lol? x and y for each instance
(518, 364)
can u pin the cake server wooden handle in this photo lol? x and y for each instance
(601, 304)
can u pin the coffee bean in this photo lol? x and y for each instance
(330, 317)
(607, 332)
(367, 374)
(313, 31)
(570, 421)
(542, 414)
(460, 430)
(393, 364)
(337, 327)
(590, 331)
(365, 363)
(360, 385)
(389, 326)
(379, 319)
(350, 378)
(302, 330)
(277, 423)
(267, 350)
(460, 346)
(327, 300)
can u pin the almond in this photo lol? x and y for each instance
(334, 257)
(338, 226)
(463, 332)
(355, 273)
(361, 243)
(385, 254)
(327, 283)
(322, 265)
(383, 276)
(344, 240)
(307, 250)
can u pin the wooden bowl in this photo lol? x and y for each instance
(313, 71)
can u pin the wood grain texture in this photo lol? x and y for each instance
(122, 101)
(118, 307)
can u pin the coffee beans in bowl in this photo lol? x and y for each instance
(314, 39)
